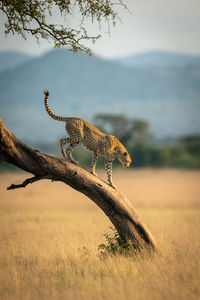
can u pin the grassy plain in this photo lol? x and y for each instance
(49, 236)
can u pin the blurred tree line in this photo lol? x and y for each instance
(144, 148)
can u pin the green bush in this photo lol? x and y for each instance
(116, 245)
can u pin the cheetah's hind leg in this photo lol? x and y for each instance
(62, 144)
(69, 151)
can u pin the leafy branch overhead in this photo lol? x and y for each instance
(35, 17)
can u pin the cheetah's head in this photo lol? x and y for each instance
(123, 156)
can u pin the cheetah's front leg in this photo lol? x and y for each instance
(94, 163)
(108, 165)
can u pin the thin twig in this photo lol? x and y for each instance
(24, 184)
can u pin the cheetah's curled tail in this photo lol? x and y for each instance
(46, 92)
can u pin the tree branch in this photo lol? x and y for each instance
(35, 17)
(23, 184)
(114, 204)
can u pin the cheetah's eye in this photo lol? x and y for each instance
(125, 153)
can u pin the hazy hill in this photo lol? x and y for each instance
(160, 59)
(82, 86)
(11, 59)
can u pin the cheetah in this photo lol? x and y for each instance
(94, 140)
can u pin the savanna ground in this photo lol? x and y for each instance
(49, 235)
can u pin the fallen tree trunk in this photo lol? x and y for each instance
(114, 204)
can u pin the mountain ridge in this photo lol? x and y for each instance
(160, 59)
(82, 86)
(11, 59)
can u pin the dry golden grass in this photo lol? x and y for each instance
(49, 236)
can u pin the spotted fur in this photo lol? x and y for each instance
(80, 131)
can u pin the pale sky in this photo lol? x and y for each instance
(172, 25)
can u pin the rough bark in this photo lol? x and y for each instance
(114, 204)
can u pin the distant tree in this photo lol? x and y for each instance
(191, 144)
(186, 152)
(35, 17)
(140, 155)
(117, 125)
(160, 157)
(141, 132)
(130, 132)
